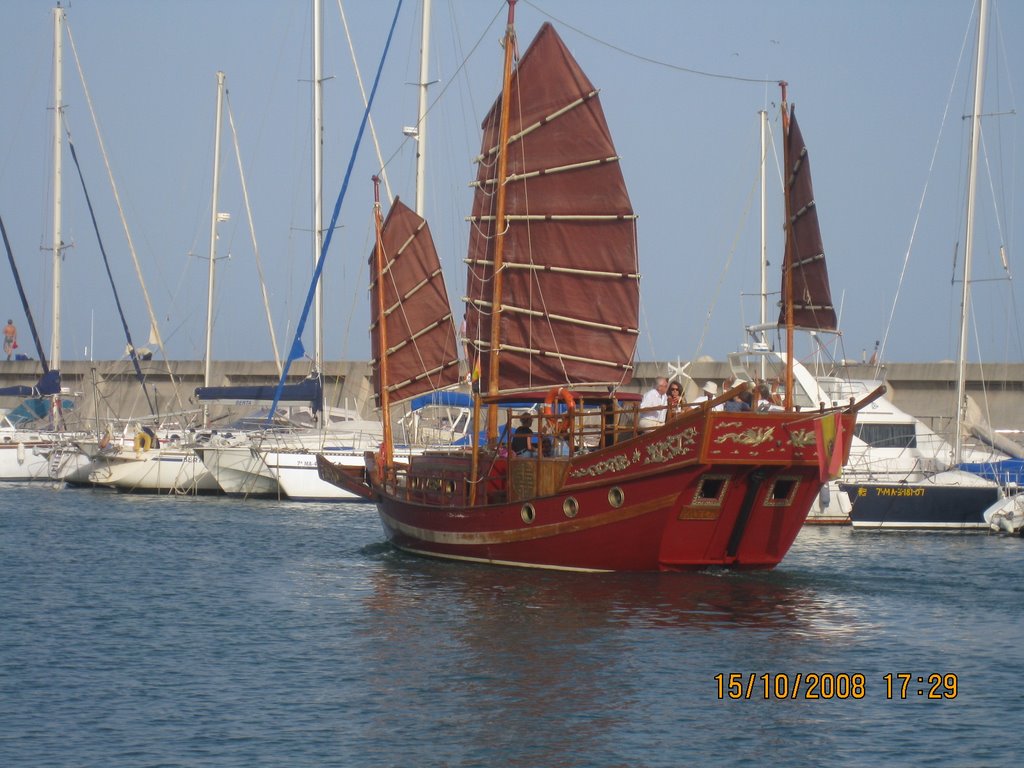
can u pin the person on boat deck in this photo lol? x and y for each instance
(608, 419)
(675, 398)
(766, 401)
(521, 437)
(742, 402)
(709, 392)
(654, 397)
(10, 338)
(555, 445)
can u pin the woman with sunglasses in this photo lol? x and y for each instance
(675, 398)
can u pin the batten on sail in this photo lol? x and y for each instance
(570, 277)
(422, 353)
(565, 271)
(514, 137)
(548, 171)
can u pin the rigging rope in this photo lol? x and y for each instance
(252, 234)
(920, 208)
(154, 327)
(639, 57)
(297, 348)
(362, 92)
(24, 298)
(110, 275)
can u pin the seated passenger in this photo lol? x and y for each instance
(521, 443)
(675, 398)
(739, 403)
(766, 400)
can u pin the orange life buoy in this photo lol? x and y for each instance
(563, 423)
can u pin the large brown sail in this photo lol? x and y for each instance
(805, 254)
(422, 354)
(570, 302)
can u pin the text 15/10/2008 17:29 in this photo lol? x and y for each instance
(829, 685)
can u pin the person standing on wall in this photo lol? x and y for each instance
(10, 338)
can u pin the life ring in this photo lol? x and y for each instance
(143, 442)
(558, 424)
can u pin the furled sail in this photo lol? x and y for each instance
(309, 390)
(805, 254)
(569, 307)
(422, 353)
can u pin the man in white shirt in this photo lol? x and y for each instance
(658, 396)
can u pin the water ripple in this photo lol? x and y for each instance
(149, 631)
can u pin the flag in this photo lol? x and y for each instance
(828, 433)
(473, 377)
(298, 351)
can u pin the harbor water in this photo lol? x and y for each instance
(183, 631)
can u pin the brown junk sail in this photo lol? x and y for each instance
(422, 354)
(570, 302)
(805, 254)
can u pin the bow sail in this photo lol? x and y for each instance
(569, 308)
(422, 355)
(811, 296)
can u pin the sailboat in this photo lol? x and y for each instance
(950, 500)
(280, 459)
(28, 453)
(552, 321)
(170, 465)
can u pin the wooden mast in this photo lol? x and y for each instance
(787, 268)
(501, 223)
(387, 444)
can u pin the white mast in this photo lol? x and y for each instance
(421, 116)
(214, 218)
(979, 74)
(58, 114)
(763, 123)
(318, 162)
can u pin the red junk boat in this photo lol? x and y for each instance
(552, 325)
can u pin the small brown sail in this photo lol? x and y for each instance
(805, 254)
(422, 354)
(570, 302)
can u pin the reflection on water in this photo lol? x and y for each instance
(567, 603)
(522, 647)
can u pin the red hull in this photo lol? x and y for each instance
(720, 489)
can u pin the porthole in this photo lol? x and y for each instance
(571, 507)
(616, 497)
(528, 513)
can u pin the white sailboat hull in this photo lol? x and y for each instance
(28, 455)
(297, 475)
(239, 470)
(160, 470)
(24, 459)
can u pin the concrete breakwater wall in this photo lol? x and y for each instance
(108, 389)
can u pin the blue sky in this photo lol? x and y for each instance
(871, 81)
